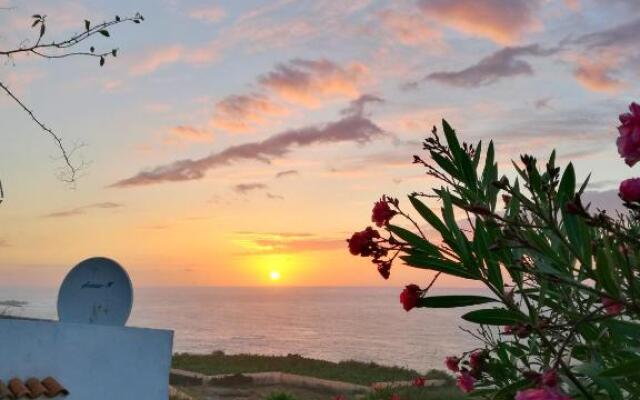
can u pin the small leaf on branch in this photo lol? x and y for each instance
(38, 16)
(136, 21)
(104, 32)
(42, 29)
(87, 24)
(114, 52)
(36, 22)
(117, 18)
(101, 61)
(92, 49)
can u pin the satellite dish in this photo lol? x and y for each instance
(96, 291)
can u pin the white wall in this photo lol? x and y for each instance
(92, 361)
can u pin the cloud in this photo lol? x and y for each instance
(82, 210)
(356, 107)
(243, 113)
(156, 59)
(350, 128)
(409, 29)
(503, 63)
(208, 14)
(597, 74)
(277, 234)
(310, 82)
(543, 103)
(274, 196)
(504, 22)
(607, 200)
(190, 133)
(286, 173)
(271, 243)
(601, 55)
(624, 35)
(244, 188)
(4, 243)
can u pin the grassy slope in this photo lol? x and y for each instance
(346, 371)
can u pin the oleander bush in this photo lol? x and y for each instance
(561, 320)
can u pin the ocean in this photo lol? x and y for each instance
(365, 324)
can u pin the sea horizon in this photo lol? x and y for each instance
(328, 323)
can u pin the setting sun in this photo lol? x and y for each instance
(274, 275)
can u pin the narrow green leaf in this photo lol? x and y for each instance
(494, 316)
(625, 369)
(104, 32)
(453, 301)
(438, 264)
(414, 240)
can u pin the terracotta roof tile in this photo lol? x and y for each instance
(53, 387)
(33, 388)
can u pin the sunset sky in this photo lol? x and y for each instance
(226, 141)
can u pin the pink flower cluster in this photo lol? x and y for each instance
(547, 388)
(629, 148)
(466, 380)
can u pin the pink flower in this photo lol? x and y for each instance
(629, 140)
(452, 363)
(477, 358)
(630, 190)
(381, 213)
(550, 378)
(541, 394)
(611, 306)
(361, 243)
(409, 297)
(419, 381)
(465, 382)
(384, 268)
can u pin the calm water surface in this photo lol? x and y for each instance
(366, 324)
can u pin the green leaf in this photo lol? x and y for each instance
(414, 240)
(604, 271)
(453, 301)
(104, 32)
(438, 264)
(567, 187)
(494, 316)
(626, 369)
(429, 216)
(462, 159)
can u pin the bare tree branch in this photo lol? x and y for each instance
(73, 170)
(58, 50)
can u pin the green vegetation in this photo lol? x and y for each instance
(280, 396)
(218, 363)
(448, 392)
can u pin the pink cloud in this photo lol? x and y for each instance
(310, 82)
(208, 14)
(596, 74)
(244, 113)
(353, 128)
(190, 133)
(409, 29)
(504, 22)
(156, 59)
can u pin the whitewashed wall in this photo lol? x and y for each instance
(92, 361)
